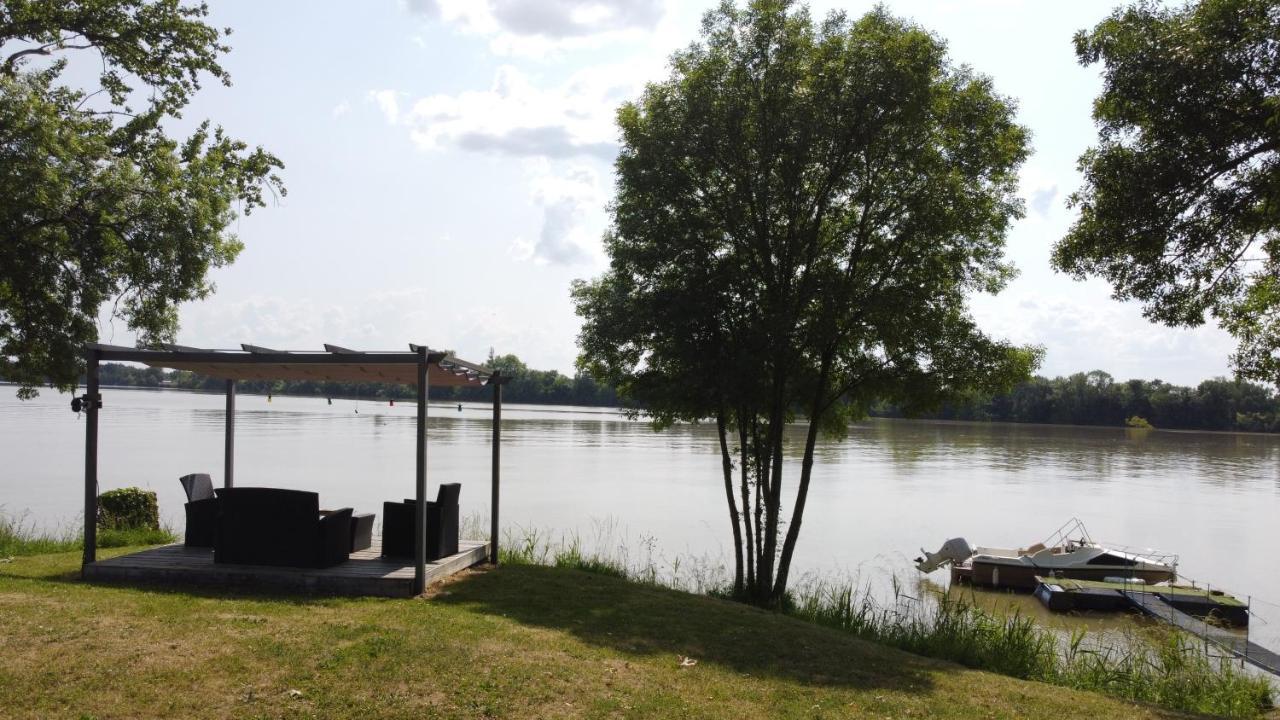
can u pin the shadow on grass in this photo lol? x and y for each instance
(643, 620)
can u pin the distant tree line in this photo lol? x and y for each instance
(1095, 398)
(1092, 398)
(527, 385)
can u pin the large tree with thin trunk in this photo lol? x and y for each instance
(802, 210)
(98, 204)
(1180, 207)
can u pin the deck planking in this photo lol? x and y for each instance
(366, 572)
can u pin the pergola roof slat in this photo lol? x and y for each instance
(254, 362)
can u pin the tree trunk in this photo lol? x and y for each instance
(759, 507)
(773, 501)
(793, 528)
(816, 411)
(749, 542)
(727, 464)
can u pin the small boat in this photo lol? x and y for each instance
(1068, 553)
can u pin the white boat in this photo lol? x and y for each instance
(1070, 553)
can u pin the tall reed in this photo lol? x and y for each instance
(19, 536)
(1160, 666)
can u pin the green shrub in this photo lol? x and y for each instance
(127, 509)
(1138, 423)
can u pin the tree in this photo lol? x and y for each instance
(802, 209)
(97, 203)
(1180, 205)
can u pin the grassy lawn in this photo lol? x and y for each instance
(521, 641)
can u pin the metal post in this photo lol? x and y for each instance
(92, 400)
(497, 453)
(229, 443)
(420, 506)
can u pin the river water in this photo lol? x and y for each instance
(889, 488)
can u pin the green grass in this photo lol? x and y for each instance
(1173, 671)
(522, 641)
(19, 538)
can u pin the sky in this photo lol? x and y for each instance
(448, 164)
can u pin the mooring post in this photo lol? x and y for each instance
(420, 496)
(92, 401)
(229, 442)
(497, 472)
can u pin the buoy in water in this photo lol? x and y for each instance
(459, 407)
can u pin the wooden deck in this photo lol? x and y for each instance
(365, 573)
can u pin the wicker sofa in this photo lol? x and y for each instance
(272, 526)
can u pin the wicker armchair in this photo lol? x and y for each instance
(442, 525)
(201, 510)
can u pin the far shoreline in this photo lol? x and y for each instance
(606, 410)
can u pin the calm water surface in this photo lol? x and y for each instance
(889, 488)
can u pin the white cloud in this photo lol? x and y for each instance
(571, 122)
(569, 18)
(388, 102)
(341, 108)
(516, 118)
(1040, 187)
(379, 321)
(1042, 200)
(1081, 335)
(428, 8)
(539, 27)
(572, 217)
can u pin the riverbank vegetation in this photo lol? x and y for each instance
(1093, 398)
(523, 641)
(19, 537)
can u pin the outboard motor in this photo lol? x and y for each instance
(955, 550)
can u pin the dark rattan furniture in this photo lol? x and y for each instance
(442, 525)
(361, 530)
(270, 526)
(202, 510)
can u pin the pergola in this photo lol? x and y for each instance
(420, 367)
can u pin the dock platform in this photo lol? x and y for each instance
(1204, 613)
(1238, 645)
(365, 573)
